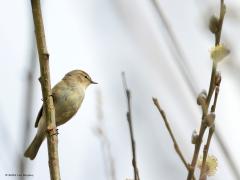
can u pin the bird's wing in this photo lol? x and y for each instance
(41, 109)
(39, 116)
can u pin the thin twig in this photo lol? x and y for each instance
(205, 152)
(49, 110)
(175, 144)
(221, 18)
(212, 128)
(217, 82)
(212, 83)
(129, 119)
(224, 148)
(187, 76)
(219, 139)
(217, 41)
(212, 87)
(213, 108)
(196, 151)
(155, 101)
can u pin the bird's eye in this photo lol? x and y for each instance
(86, 77)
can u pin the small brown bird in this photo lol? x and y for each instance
(68, 95)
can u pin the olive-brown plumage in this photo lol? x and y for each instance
(68, 95)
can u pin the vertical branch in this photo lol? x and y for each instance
(205, 152)
(216, 28)
(212, 128)
(129, 119)
(49, 110)
(218, 33)
(182, 68)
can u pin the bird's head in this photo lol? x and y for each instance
(79, 76)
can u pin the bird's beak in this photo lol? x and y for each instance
(93, 82)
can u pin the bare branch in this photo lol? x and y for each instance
(129, 119)
(187, 76)
(212, 87)
(205, 152)
(52, 139)
(175, 144)
(212, 128)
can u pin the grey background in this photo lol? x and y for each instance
(104, 38)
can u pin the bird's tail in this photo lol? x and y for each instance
(33, 148)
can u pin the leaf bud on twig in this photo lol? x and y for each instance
(194, 137)
(214, 24)
(202, 97)
(210, 118)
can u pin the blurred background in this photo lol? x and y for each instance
(163, 47)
